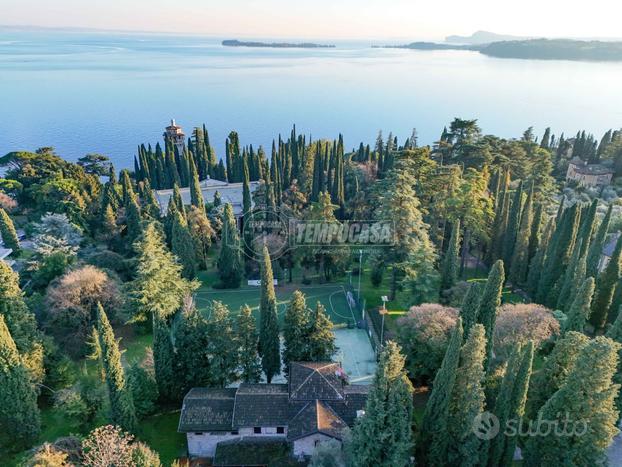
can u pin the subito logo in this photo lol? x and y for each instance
(485, 426)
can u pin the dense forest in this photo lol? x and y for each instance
(506, 306)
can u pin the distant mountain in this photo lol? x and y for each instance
(483, 37)
(277, 45)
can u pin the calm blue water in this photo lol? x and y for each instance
(106, 93)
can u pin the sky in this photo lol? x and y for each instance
(324, 19)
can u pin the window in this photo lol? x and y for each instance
(234, 432)
(257, 430)
(198, 433)
(280, 430)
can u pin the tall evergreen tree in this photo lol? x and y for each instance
(467, 402)
(449, 273)
(470, 306)
(221, 346)
(510, 403)
(539, 259)
(586, 399)
(605, 287)
(554, 371)
(596, 246)
(196, 195)
(491, 300)
(575, 271)
(158, 288)
(579, 311)
(122, 409)
(8, 233)
(514, 221)
(295, 326)
(383, 436)
(247, 340)
(320, 338)
(230, 259)
(19, 414)
(432, 445)
(269, 346)
(519, 265)
(183, 247)
(164, 359)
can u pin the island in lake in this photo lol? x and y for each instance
(534, 49)
(277, 45)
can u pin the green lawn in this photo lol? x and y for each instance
(160, 433)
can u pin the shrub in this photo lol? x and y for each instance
(423, 335)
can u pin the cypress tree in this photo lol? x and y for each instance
(269, 346)
(192, 340)
(468, 401)
(164, 359)
(513, 225)
(247, 339)
(201, 232)
(535, 237)
(605, 287)
(222, 351)
(510, 403)
(596, 246)
(554, 371)
(8, 233)
(183, 247)
(432, 444)
(579, 311)
(449, 274)
(539, 259)
(295, 325)
(587, 399)
(470, 306)
(229, 259)
(320, 337)
(491, 300)
(121, 403)
(196, 195)
(19, 414)
(383, 436)
(133, 220)
(575, 271)
(520, 259)
(588, 226)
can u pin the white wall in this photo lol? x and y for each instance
(204, 445)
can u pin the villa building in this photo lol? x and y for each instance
(176, 135)
(589, 175)
(315, 406)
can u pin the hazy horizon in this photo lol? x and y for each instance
(320, 19)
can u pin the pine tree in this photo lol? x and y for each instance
(159, 288)
(295, 325)
(247, 339)
(19, 414)
(520, 259)
(383, 436)
(229, 259)
(449, 274)
(587, 400)
(183, 247)
(491, 300)
(468, 401)
(320, 337)
(470, 306)
(510, 403)
(432, 445)
(605, 287)
(133, 221)
(579, 311)
(596, 246)
(269, 345)
(121, 403)
(164, 359)
(8, 233)
(554, 371)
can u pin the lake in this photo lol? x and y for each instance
(108, 92)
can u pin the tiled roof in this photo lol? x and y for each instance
(261, 405)
(315, 417)
(310, 381)
(583, 167)
(206, 409)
